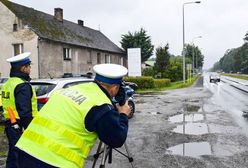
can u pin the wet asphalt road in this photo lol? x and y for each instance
(197, 127)
(232, 97)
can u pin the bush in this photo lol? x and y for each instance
(143, 82)
(158, 83)
(148, 72)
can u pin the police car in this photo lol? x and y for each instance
(45, 87)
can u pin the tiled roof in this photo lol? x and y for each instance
(45, 26)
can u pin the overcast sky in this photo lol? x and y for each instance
(221, 23)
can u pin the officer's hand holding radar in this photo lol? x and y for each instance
(125, 109)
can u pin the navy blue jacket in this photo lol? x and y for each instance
(23, 97)
(108, 123)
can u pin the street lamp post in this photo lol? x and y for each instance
(184, 38)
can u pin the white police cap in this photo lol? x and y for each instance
(20, 59)
(110, 73)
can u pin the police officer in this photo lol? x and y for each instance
(19, 98)
(67, 127)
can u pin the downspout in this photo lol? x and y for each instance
(38, 54)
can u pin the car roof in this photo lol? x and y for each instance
(58, 83)
(62, 80)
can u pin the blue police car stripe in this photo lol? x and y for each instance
(108, 80)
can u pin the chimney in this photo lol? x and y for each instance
(58, 14)
(81, 22)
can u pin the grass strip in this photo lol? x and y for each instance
(239, 76)
(173, 85)
(1, 129)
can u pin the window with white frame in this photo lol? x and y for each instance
(18, 49)
(67, 53)
(107, 58)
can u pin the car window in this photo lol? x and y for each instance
(74, 83)
(2, 80)
(42, 88)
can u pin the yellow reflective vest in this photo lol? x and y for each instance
(58, 135)
(8, 97)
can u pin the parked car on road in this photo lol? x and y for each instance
(214, 77)
(45, 87)
(71, 75)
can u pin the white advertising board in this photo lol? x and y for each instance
(134, 61)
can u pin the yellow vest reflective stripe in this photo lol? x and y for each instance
(34, 103)
(54, 147)
(61, 122)
(8, 97)
(73, 138)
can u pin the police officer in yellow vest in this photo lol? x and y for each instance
(19, 98)
(67, 127)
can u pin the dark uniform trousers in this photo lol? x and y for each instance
(27, 161)
(13, 134)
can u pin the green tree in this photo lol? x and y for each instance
(193, 51)
(235, 59)
(189, 49)
(174, 70)
(216, 67)
(226, 62)
(162, 59)
(138, 39)
(199, 58)
(246, 37)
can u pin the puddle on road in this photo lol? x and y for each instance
(154, 113)
(191, 128)
(194, 149)
(140, 102)
(191, 108)
(167, 102)
(186, 118)
(200, 110)
(150, 94)
(194, 100)
(245, 113)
